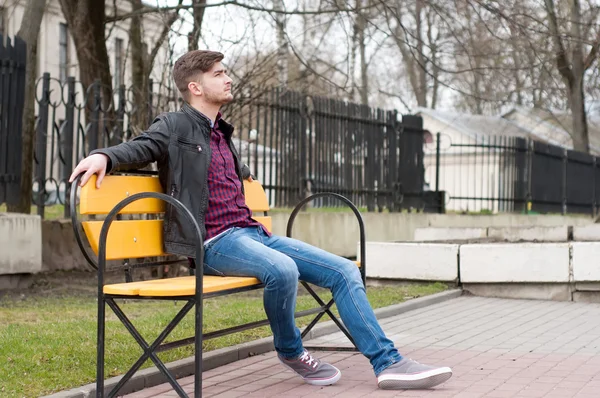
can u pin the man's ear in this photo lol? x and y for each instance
(195, 88)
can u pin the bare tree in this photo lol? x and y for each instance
(572, 61)
(86, 22)
(198, 16)
(29, 30)
(282, 45)
(416, 32)
(142, 61)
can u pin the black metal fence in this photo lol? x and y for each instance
(12, 93)
(488, 174)
(72, 120)
(297, 145)
(294, 144)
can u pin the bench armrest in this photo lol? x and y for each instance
(348, 202)
(75, 222)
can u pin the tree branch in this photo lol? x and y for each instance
(561, 55)
(163, 35)
(149, 10)
(591, 57)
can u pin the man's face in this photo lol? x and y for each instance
(215, 85)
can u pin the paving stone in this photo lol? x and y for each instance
(497, 348)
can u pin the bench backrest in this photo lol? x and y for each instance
(142, 238)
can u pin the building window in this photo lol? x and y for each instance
(63, 56)
(118, 62)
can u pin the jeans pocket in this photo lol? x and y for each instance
(208, 270)
(218, 238)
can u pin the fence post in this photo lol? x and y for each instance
(564, 182)
(528, 193)
(41, 141)
(150, 98)
(67, 147)
(118, 135)
(95, 117)
(594, 165)
(392, 128)
(14, 73)
(437, 162)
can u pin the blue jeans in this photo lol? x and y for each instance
(279, 263)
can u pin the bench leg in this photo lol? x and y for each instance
(149, 350)
(100, 348)
(326, 310)
(198, 347)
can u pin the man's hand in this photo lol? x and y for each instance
(250, 178)
(94, 164)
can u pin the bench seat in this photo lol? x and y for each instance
(180, 286)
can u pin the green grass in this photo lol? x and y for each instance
(48, 344)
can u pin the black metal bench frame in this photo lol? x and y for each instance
(150, 350)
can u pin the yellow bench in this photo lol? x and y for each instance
(120, 238)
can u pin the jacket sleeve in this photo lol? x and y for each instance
(148, 147)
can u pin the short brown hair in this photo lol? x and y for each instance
(190, 65)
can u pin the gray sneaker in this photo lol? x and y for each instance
(312, 370)
(408, 374)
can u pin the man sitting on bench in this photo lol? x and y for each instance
(199, 166)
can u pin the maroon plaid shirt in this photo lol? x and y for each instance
(226, 203)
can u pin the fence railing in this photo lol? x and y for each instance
(72, 120)
(294, 144)
(298, 145)
(488, 174)
(12, 94)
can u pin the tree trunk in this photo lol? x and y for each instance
(139, 79)
(282, 45)
(364, 76)
(85, 19)
(194, 35)
(29, 30)
(422, 61)
(416, 72)
(573, 70)
(578, 112)
(142, 63)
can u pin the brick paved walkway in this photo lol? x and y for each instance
(497, 348)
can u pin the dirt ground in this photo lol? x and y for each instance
(60, 284)
(55, 284)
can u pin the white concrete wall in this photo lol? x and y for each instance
(429, 234)
(338, 232)
(510, 234)
(590, 232)
(586, 261)
(20, 243)
(530, 234)
(513, 262)
(412, 261)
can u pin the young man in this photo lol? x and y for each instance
(199, 166)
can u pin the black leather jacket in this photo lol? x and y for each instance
(179, 143)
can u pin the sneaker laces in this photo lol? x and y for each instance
(308, 359)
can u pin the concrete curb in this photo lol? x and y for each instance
(151, 377)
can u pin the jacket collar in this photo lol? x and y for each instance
(197, 116)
